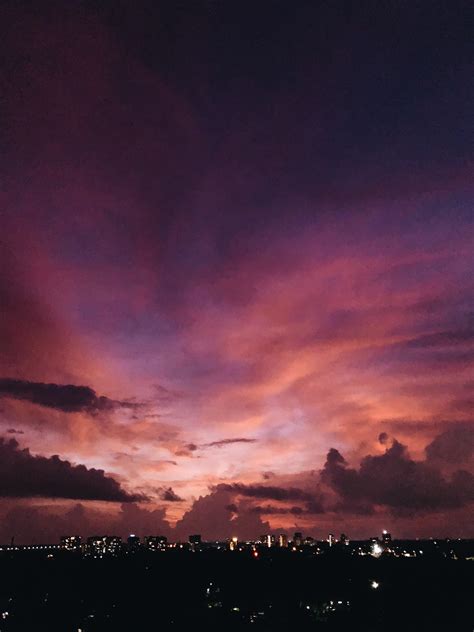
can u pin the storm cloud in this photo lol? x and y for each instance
(24, 475)
(170, 495)
(454, 445)
(396, 481)
(66, 397)
(266, 491)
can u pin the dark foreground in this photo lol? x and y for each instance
(216, 590)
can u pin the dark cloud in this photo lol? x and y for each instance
(383, 438)
(273, 510)
(193, 447)
(395, 480)
(232, 507)
(66, 397)
(454, 445)
(313, 501)
(223, 442)
(267, 475)
(266, 491)
(15, 431)
(170, 495)
(23, 475)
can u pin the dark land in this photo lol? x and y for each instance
(306, 588)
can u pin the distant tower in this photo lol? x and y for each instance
(267, 539)
(331, 539)
(233, 542)
(298, 538)
(282, 540)
(71, 543)
(344, 539)
(386, 537)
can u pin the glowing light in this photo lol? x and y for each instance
(376, 549)
(374, 584)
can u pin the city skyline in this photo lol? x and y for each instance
(236, 260)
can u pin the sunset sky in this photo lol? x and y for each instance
(236, 268)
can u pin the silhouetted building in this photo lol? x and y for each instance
(100, 545)
(71, 542)
(282, 540)
(195, 539)
(298, 538)
(386, 537)
(344, 539)
(156, 542)
(133, 542)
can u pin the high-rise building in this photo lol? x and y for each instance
(344, 539)
(156, 542)
(282, 540)
(100, 545)
(331, 539)
(71, 543)
(386, 537)
(113, 544)
(133, 542)
(267, 540)
(298, 538)
(195, 539)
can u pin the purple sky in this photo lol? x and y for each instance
(236, 266)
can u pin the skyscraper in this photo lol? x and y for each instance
(70, 543)
(156, 542)
(282, 540)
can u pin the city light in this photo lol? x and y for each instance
(374, 584)
(376, 549)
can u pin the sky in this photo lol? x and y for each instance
(236, 258)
